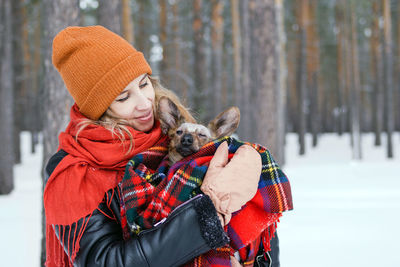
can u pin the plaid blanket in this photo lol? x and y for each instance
(151, 189)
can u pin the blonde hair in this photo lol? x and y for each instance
(119, 126)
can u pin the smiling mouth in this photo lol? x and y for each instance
(144, 116)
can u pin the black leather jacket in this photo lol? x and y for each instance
(190, 230)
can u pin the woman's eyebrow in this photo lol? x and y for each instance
(123, 92)
(144, 77)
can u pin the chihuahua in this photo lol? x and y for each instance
(187, 138)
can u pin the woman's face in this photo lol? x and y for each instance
(135, 104)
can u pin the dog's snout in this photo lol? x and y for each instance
(187, 140)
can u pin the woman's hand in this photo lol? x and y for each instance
(232, 184)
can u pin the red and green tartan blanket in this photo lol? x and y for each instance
(151, 189)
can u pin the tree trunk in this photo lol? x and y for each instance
(356, 92)
(265, 31)
(177, 73)
(127, 22)
(377, 73)
(313, 66)
(347, 67)
(292, 65)
(341, 105)
(245, 120)
(398, 69)
(388, 46)
(163, 39)
(314, 116)
(56, 101)
(236, 52)
(142, 30)
(109, 15)
(199, 70)
(281, 88)
(36, 75)
(26, 71)
(292, 92)
(30, 116)
(302, 75)
(6, 100)
(217, 39)
(19, 84)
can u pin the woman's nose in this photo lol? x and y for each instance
(143, 102)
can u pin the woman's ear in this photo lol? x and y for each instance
(169, 114)
(225, 123)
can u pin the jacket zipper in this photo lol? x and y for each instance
(261, 256)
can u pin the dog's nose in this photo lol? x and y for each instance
(187, 140)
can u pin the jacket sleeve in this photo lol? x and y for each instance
(190, 230)
(268, 258)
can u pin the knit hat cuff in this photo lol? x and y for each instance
(112, 84)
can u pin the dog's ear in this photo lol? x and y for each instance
(225, 123)
(169, 114)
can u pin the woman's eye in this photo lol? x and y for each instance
(179, 132)
(123, 99)
(143, 85)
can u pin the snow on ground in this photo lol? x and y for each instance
(20, 217)
(345, 211)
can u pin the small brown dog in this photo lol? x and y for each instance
(187, 138)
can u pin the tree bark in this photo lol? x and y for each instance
(245, 120)
(356, 92)
(20, 90)
(6, 100)
(341, 104)
(397, 127)
(36, 75)
(377, 73)
(348, 70)
(164, 64)
(143, 43)
(266, 37)
(292, 92)
(109, 15)
(177, 74)
(281, 89)
(127, 22)
(56, 101)
(313, 67)
(293, 47)
(26, 71)
(217, 39)
(199, 60)
(302, 75)
(236, 35)
(388, 49)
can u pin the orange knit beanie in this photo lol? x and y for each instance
(96, 65)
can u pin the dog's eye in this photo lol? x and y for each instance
(202, 135)
(179, 132)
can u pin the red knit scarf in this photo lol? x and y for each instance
(94, 165)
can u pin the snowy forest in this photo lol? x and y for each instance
(299, 68)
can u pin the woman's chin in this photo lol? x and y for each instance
(142, 127)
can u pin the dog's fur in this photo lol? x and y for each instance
(187, 138)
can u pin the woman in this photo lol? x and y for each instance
(111, 121)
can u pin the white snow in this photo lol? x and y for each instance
(345, 212)
(20, 217)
